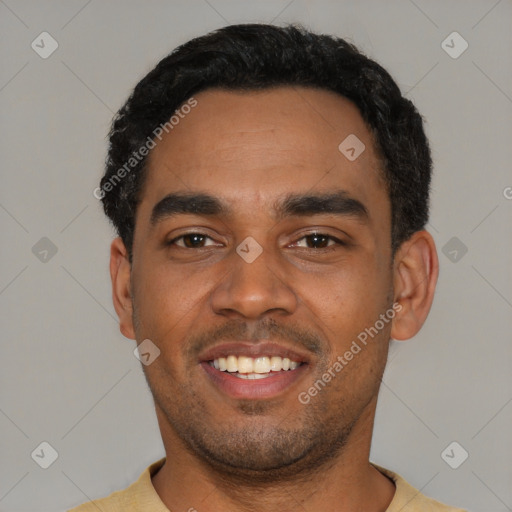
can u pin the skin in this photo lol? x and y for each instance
(250, 150)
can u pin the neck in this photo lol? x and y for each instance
(346, 483)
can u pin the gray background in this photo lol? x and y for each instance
(70, 378)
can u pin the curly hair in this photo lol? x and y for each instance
(257, 56)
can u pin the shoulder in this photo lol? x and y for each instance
(409, 499)
(112, 503)
(138, 496)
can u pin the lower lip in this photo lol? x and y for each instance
(257, 389)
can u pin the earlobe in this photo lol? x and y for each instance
(120, 274)
(416, 268)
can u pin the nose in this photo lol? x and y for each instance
(252, 290)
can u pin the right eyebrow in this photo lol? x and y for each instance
(183, 203)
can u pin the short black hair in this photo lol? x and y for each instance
(257, 56)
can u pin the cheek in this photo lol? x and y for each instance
(346, 305)
(347, 294)
(166, 297)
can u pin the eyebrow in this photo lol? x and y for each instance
(292, 205)
(334, 203)
(187, 203)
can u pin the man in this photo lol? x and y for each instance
(270, 190)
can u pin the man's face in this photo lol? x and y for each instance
(324, 274)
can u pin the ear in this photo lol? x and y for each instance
(121, 287)
(416, 268)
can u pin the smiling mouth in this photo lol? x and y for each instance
(253, 368)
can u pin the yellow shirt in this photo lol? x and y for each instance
(141, 496)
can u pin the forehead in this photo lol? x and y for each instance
(256, 145)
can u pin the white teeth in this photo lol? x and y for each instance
(275, 363)
(245, 364)
(231, 364)
(261, 365)
(252, 376)
(254, 368)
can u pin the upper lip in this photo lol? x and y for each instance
(253, 349)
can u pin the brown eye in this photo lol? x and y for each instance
(191, 241)
(318, 241)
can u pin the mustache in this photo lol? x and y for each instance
(255, 331)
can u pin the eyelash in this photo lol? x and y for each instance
(315, 234)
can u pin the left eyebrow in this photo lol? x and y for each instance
(335, 203)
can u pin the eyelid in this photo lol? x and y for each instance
(199, 232)
(337, 240)
(340, 237)
(312, 232)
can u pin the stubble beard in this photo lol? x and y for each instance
(263, 450)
